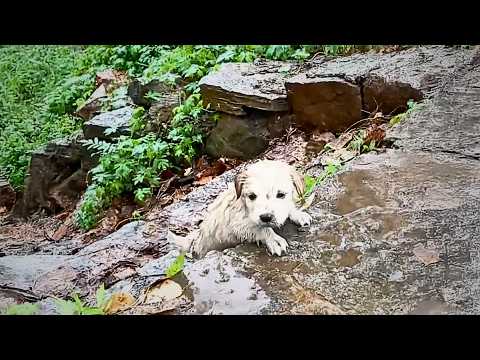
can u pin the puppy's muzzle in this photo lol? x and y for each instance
(266, 218)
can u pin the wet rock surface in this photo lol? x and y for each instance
(449, 122)
(217, 286)
(327, 95)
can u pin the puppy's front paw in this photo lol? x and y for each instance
(276, 245)
(301, 218)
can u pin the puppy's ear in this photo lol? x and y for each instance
(298, 183)
(239, 181)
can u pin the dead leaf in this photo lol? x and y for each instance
(62, 216)
(165, 200)
(217, 168)
(61, 232)
(308, 302)
(167, 290)
(119, 302)
(426, 256)
(374, 133)
(167, 174)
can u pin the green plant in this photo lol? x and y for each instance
(331, 169)
(176, 266)
(127, 165)
(37, 92)
(78, 307)
(137, 122)
(310, 182)
(22, 309)
(358, 144)
(411, 106)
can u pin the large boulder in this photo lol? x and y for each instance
(330, 104)
(326, 94)
(235, 87)
(57, 176)
(244, 137)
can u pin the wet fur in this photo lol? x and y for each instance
(233, 218)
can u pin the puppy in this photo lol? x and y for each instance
(262, 198)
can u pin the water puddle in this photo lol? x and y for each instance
(216, 288)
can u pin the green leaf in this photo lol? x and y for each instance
(176, 266)
(142, 194)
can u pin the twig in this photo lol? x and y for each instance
(290, 132)
(122, 222)
(355, 123)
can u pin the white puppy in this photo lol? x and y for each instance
(261, 198)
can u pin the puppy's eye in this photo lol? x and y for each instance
(280, 195)
(252, 197)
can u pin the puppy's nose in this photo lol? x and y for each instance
(266, 218)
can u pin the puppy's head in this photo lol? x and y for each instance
(268, 190)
